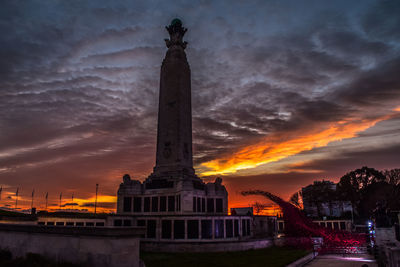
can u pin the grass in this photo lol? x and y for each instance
(271, 257)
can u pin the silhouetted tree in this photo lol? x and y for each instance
(361, 178)
(392, 176)
(258, 207)
(353, 183)
(366, 187)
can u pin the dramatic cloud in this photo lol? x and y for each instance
(279, 89)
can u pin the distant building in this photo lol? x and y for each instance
(318, 201)
(242, 211)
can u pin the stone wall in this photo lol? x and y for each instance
(17, 221)
(206, 246)
(389, 247)
(228, 228)
(394, 257)
(93, 246)
(264, 226)
(385, 236)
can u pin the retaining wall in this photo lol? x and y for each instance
(205, 246)
(90, 245)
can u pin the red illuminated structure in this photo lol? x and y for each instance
(300, 230)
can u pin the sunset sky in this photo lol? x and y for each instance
(283, 93)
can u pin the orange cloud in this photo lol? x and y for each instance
(282, 145)
(78, 204)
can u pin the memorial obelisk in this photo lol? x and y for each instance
(174, 133)
(173, 187)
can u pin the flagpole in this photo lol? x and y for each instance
(16, 199)
(33, 193)
(95, 202)
(60, 199)
(47, 196)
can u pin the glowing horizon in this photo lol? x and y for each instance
(278, 101)
(273, 149)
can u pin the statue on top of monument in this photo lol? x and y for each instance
(176, 33)
(126, 178)
(128, 181)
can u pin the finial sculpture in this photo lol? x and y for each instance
(176, 33)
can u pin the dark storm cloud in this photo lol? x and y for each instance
(79, 81)
(375, 87)
(349, 44)
(325, 64)
(382, 21)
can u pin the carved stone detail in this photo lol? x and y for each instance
(176, 33)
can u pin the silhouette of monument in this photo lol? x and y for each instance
(174, 136)
(173, 186)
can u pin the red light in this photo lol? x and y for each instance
(299, 230)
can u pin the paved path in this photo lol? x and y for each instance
(346, 261)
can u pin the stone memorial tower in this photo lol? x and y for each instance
(174, 135)
(177, 207)
(173, 188)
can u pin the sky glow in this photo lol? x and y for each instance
(283, 93)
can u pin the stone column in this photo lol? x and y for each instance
(174, 133)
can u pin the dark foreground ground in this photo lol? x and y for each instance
(30, 260)
(271, 257)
